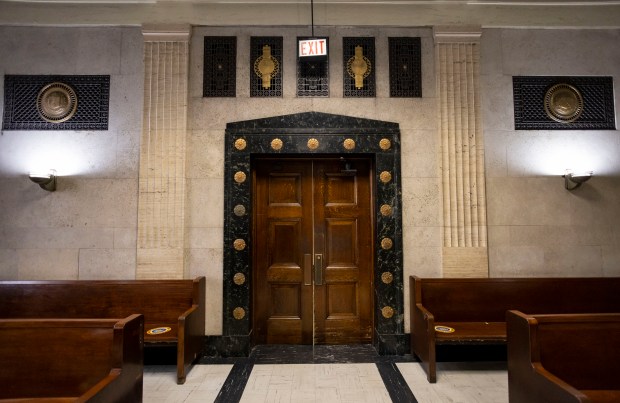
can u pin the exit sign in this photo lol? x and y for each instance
(312, 47)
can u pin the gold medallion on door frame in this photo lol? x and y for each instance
(276, 144)
(239, 278)
(240, 144)
(240, 177)
(313, 144)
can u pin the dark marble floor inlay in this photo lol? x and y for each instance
(235, 383)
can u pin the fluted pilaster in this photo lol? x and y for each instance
(161, 199)
(462, 152)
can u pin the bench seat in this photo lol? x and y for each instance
(471, 333)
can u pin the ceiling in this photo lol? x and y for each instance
(485, 13)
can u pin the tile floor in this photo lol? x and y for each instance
(462, 382)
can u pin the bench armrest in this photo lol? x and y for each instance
(553, 389)
(191, 338)
(423, 339)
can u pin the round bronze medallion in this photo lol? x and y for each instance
(313, 144)
(387, 277)
(239, 210)
(386, 243)
(387, 312)
(386, 210)
(240, 144)
(276, 144)
(239, 313)
(349, 144)
(240, 177)
(563, 103)
(57, 102)
(239, 244)
(385, 144)
(385, 176)
(239, 278)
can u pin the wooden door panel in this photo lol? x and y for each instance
(342, 242)
(343, 233)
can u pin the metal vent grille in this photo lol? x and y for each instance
(20, 102)
(529, 103)
(257, 88)
(348, 51)
(405, 67)
(313, 75)
(220, 66)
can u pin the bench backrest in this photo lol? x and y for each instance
(160, 301)
(582, 350)
(488, 299)
(66, 357)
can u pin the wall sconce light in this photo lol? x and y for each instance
(46, 181)
(573, 180)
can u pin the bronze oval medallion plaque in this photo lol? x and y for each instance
(563, 103)
(57, 102)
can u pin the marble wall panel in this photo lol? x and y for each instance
(9, 264)
(517, 261)
(560, 52)
(611, 260)
(107, 264)
(206, 148)
(420, 147)
(205, 202)
(208, 262)
(527, 201)
(205, 238)
(55, 238)
(48, 264)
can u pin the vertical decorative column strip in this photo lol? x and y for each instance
(457, 52)
(161, 197)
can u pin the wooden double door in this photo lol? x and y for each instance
(312, 251)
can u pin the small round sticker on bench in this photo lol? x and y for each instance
(158, 330)
(444, 329)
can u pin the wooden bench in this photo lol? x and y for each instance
(71, 360)
(563, 358)
(176, 307)
(475, 308)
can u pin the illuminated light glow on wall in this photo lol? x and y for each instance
(550, 154)
(69, 155)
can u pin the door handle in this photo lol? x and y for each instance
(307, 269)
(318, 269)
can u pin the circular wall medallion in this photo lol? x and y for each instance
(386, 243)
(385, 176)
(239, 278)
(313, 144)
(349, 144)
(387, 277)
(387, 312)
(158, 330)
(385, 144)
(276, 144)
(239, 313)
(563, 103)
(57, 102)
(239, 210)
(240, 144)
(386, 210)
(240, 177)
(239, 244)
